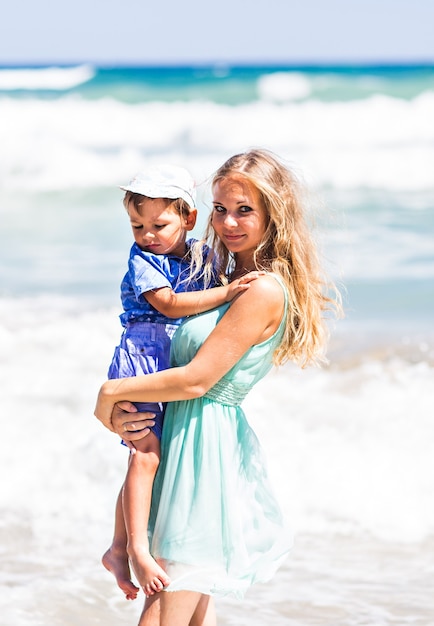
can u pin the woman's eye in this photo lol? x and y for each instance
(245, 209)
(218, 209)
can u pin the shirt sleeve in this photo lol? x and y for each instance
(147, 273)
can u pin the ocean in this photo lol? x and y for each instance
(349, 445)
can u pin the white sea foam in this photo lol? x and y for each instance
(283, 86)
(350, 450)
(51, 78)
(380, 142)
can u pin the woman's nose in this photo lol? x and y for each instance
(230, 221)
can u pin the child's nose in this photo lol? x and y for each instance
(148, 237)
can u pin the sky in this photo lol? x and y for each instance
(155, 32)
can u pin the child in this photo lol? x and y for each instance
(160, 203)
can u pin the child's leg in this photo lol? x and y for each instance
(116, 557)
(136, 502)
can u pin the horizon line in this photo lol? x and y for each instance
(326, 63)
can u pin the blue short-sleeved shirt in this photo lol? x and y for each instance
(148, 271)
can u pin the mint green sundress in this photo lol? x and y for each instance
(214, 519)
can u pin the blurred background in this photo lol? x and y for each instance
(343, 93)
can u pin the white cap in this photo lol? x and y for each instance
(164, 181)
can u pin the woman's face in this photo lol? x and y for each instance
(239, 217)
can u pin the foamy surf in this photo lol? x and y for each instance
(283, 86)
(377, 143)
(45, 78)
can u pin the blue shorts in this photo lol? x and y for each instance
(144, 349)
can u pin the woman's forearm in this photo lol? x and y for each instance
(171, 384)
(165, 386)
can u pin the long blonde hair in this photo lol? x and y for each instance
(288, 250)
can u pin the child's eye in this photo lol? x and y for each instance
(136, 226)
(159, 226)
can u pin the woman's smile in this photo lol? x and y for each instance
(232, 237)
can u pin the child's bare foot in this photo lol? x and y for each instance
(116, 562)
(151, 576)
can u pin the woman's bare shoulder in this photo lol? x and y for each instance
(265, 297)
(268, 288)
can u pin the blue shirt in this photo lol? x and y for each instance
(148, 271)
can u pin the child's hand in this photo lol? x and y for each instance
(241, 284)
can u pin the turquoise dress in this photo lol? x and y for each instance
(214, 519)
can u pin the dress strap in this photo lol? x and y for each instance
(279, 279)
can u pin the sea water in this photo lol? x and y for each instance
(349, 445)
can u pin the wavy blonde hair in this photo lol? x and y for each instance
(288, 250)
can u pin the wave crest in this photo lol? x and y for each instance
(50, 78)
(283, 87)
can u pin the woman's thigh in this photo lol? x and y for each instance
(186, 608)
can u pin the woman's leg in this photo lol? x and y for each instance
(204, 614)
(186, 608)
(151, 611)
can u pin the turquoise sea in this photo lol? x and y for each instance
(349, 445)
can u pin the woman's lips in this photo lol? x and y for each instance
(233, 237)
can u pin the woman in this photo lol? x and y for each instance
(215, 526)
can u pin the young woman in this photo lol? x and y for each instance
(215, 525)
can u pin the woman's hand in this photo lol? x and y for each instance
(117, 416)
(129, 424)
(104, 405)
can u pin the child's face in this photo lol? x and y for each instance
(158, 228)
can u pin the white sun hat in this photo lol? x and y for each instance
(164, 181)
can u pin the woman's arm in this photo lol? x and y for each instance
(172, 304)
(250, 320)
